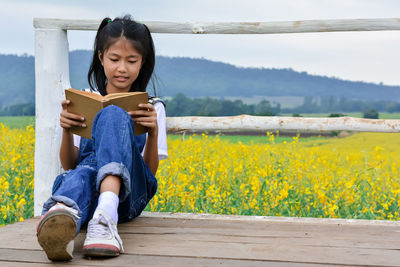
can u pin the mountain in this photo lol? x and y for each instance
(195, 78)
(17, 76)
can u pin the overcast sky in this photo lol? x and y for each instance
(366, 56)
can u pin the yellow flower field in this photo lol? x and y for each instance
(353, 177)
(17, 148)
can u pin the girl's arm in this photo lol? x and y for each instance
(68, 151)
(150, 155)
(147, 116)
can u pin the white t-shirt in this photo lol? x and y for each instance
(162, 133)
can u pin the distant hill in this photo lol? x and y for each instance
(17, 80)
(195, 78)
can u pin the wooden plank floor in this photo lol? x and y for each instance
(165, 239)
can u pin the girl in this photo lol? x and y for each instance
(110, 178)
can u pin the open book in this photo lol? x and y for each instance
(88, 104)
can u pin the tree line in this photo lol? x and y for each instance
(329, 104)
(181, 105)
(27, 109)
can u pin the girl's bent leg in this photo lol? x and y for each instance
(112, 136)
(117, 154)
(122, 171)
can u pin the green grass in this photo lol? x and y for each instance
(17, 121)
(389, 116)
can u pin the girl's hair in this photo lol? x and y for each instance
(108, 33)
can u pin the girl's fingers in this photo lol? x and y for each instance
(65, 113)
(145, 119)
(64, 103)
(140, 120)
(67, 123)
(145, 116)
(144, 110)
(73, 117)
(70, 123)
(147, 123)
(149, 107)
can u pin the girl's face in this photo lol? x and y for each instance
(122, 63)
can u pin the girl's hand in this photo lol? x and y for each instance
(146, 116)
(67, 120)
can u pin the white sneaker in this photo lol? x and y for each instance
(56, 232)
(102, 237)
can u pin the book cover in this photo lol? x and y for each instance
(88, 104)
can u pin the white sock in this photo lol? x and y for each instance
(108, 201)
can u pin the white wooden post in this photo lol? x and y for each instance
(52, 76)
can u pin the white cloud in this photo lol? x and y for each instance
(58, 9)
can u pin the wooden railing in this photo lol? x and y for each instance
(52, 77)
(236, 27)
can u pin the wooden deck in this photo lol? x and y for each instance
(165, 239)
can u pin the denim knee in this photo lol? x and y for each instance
(116, 120)
(112, 112)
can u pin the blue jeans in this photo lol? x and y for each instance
(113, 150)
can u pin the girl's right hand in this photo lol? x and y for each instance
(68, 120)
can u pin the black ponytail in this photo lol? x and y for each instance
(108, 33)
(149, 61)
(96, 76)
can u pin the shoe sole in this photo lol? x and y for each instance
(100, 250)
(55, 232)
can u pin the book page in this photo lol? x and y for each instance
(88, 94)
(118, 95)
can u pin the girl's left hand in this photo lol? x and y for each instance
(146, 116)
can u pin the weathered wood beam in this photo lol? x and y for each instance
(300, 26)
(258, 123)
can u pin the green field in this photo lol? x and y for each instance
(389, 116)
(17, 122)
